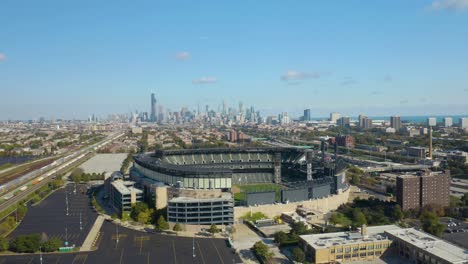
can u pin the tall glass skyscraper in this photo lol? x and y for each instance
(153, 116)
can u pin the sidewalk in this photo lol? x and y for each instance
(92, 235)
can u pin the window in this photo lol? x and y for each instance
(332, 251)
(363, 254)
(369, 247)
(339, 250)
(356, 248)
(347, 250)
(339, 256)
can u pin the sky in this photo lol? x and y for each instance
(71, 59)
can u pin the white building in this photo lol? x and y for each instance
(432, 121)
(334, 117)
(448, 121)
(463, 122)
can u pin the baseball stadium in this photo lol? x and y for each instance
(196, 179)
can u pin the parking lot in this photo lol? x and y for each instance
(138, 247)
(133, 247)
(50, 216)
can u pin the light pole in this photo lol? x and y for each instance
(117, 234)
(66, 200)
(81, 223)
(193, 246)
(40, 254)
(66, 236)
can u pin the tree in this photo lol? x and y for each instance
(299, 228)
(280, 237)
(4, 243)
(464, 199)
(262, 251)
(397, 213)
(430, 223)
(162, 224)
(177, 227)
(137, 209)
(51, 245)
(298, 255)
(359, 218)
(26, 243)
(143, 217)
(213, 229)
(76, 174)
(340, 219)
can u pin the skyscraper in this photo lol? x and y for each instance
(431, 121)
(307, 115)
(334, 117)
(153, 117)
(395, 122)
(448, 121)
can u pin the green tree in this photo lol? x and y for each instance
(280, 237)
(52, 245)
(143, 217)
(430, 223)
(162, 224)
(177, 227)
(4, 243)
(26, 243)
(137, 209)
(299, 228)
(464, 199)
(397, 213)
(358, 217)
(262, 251)
(340, 219)
(213, 229)
(298, 255)
(76, 174)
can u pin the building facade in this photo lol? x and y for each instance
(395, 122)
(365, 245)
(424, 188)
(123, 195)
(184, 210)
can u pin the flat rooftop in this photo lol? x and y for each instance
(223, 197)
(125, 187)
(431, 244)
(374, 233)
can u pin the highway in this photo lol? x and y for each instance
(48, 172)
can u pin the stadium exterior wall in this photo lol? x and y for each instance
(324, 205)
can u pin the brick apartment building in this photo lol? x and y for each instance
(423, 188)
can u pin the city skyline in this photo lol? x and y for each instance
(281, 58)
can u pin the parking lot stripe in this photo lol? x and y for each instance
(121, 255)
(30, 261)
(147, 259)
(217, 251)
(173, 249)
(201, 254)
(58, 259)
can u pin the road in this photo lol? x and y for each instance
(58, 166)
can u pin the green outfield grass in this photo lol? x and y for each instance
(241, 190)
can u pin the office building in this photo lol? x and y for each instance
(122, 195)
(448, 121)
(431, 121)
(153, 116)
(414, 191)
(343, 122)
(365, 122)
(463, 122)
(306, 116)
(395, 122)
(414, 246)
(367, 244)
(334, 117)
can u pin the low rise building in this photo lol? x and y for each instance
(419, 247)
(123, 195)
(367, 244)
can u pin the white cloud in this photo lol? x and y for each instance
(205, 80)
(457, 5)
(2, 56)
(293, 75)
(183, 55)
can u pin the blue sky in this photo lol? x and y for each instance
(74, 58)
